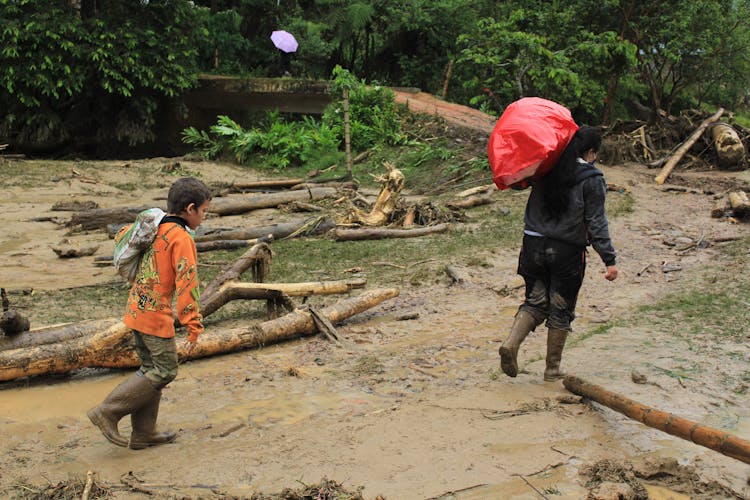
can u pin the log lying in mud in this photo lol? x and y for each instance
(740, 203)
(112, 347)
(243, 204)
(100, 218)
(308, 226)
(471, 201)
(378, 233)
(267, 184)
(715, 439)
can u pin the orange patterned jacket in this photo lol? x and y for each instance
(168, 268)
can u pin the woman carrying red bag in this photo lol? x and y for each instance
(564, 214)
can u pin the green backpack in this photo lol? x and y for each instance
(131, 242)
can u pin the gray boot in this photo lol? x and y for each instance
(555, 344)
(126, 398)
(522, 325)
(144, 425)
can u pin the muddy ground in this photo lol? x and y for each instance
(416, 409)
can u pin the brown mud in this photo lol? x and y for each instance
(415, 409)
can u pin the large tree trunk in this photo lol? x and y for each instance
(242, 204)
(111, 348)
(729, 148)
(714, 439)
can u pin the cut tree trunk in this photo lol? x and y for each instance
(112, 347)
(243, 204)
(740, 204)
(685, 147)
(381, 233)
(309, 226)
(729, 148)
(721, 208)
(703, 435)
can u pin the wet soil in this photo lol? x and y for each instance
(415, 408)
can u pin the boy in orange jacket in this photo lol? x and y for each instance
(168, 270)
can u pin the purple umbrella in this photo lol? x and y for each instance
(283, 40)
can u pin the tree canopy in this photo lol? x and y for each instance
(78, 71)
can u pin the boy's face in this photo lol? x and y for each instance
(194, 215)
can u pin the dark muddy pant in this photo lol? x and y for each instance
(553, 272)
(158, 358)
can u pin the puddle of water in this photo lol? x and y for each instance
(661, 493)
(57, 400)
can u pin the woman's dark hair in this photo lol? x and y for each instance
(186, 191)
(556, 184)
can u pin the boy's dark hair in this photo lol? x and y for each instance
(185, 191)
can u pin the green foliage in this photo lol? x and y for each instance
(373, 116)
(280, 143)
(64, 77)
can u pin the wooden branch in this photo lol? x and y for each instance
(272, 184)
(680, 152)
(242, 204)
(380, 233)
(275, 291)
(714, 439)
(112, 347)
(258, 258)
(471, 201)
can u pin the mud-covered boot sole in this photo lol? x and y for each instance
(100, 423)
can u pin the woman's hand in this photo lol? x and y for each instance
(611, 273)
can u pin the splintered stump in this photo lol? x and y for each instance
(703, 435)
(111, 348)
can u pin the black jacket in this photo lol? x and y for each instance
(584, 223)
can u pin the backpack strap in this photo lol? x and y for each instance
(175, 219)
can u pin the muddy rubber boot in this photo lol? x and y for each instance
(522, 325)
(126, 398)
(555, 344)
(144, 425)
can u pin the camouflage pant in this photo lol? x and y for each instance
(158, 358)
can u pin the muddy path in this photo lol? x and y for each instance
(414, 409)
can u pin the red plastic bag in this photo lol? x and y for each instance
(527, 140)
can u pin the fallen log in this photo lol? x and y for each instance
(273, 291)
(334, 184)
(112, 348)
(339, 234)
(243, 204)
(309, 226)
(101, 217)
(685, 147)
(271, 184)
(703, 435)
(471, 201)
(257, 259)
(489, 188)
(56, 334)
(740, 203)
(728, 146)
(721, 208)
(209, 246)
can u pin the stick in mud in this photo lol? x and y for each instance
(714, 439)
